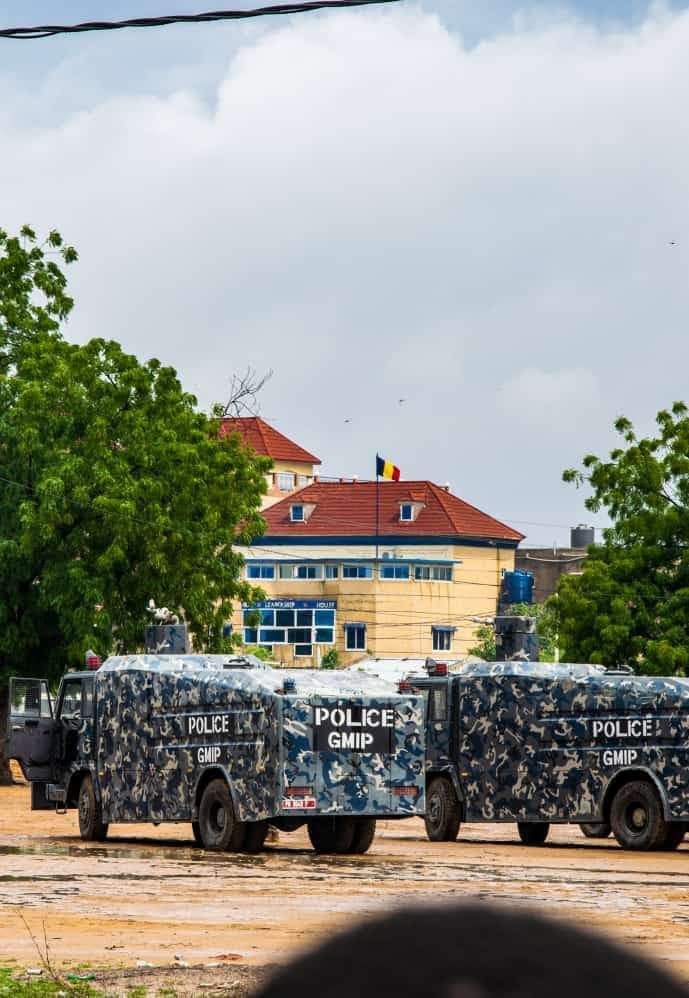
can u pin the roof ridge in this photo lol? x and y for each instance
(476, 510)
(436, 490)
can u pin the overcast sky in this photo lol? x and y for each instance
(466, 205)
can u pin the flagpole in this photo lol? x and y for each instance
(377, 515)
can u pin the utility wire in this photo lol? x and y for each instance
(49, 30)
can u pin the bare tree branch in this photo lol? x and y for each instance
(244, 391)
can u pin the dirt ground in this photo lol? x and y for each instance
(154, 909)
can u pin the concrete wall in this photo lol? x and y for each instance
(547, 566)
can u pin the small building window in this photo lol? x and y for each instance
(284, 618)
(406, 512)
(309, 572)
(325, 635)
(271, 636)
(332, 571)
(260, 571)
(442, 638)
(297, 513)
(355, 637)
(250, 636)
(286, 571)
(325, 618)
(303, 651)
(357, 571)
(286, 481)
(394, 572)
(434, 573)
(302, 480)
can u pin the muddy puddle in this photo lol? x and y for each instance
(148, 894)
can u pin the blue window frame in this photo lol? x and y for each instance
(357, 571)
(297, 513)
(267, 618)
(355, 637)
(304, 618)
(254, 571)
(394, 571)
(299, 635)
(250, 636)
(284, 618)
(406, 512)
(325, 635)
(324, 618)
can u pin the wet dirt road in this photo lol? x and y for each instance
(149, 895)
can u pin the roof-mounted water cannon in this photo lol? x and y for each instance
(166, 635)
(434, 668)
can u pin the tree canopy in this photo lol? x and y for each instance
(631, 603)
(114, 487)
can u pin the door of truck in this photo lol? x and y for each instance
(74, 720)
(31, 727)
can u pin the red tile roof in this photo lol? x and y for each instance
(349, 509)
(266, 441)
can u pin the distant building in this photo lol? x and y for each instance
(293, 467)
(548, 564)
(396, 570)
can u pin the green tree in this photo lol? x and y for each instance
(485, 646)
(631, 602)
(114, 488)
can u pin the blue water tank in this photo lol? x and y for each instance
(519, 587)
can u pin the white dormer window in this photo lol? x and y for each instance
(297, 513)
(406, 512)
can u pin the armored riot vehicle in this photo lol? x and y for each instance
(229, 748)
(538, 744)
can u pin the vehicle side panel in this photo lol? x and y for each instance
(159, 732)
(539, 748)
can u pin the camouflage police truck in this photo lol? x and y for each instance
(538, 744)
(193, 738)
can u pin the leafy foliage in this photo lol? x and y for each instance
(114, 488)
(485, 646)
(631, 603)
(331, 659)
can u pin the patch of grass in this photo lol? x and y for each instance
(138, 992)
(14, 984)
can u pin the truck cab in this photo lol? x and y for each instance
(53, 742)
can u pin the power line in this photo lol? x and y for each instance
(49, 30)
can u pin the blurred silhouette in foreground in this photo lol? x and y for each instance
(470, 951)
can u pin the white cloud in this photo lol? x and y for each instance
(377, 212)
(553, 402)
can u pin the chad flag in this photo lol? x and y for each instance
(386, 469)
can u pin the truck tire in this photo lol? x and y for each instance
(255, 833)
(442, 811)
(334, 835)
(533, 833)
(217, 824)
(197, 833)
(92, 828)
(364, 834)
(676, 830)
(636, 816)
(596, 829)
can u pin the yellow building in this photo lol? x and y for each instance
(396, 569)
(293, 467)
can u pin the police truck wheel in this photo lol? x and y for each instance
(364, 834)
(596, 829)
(533, 833)
(255, 833)
(636, 816)
(197, 833)
(216, 816)
(334, 835)
(676, 831)
(92, 828)
(442, 811)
